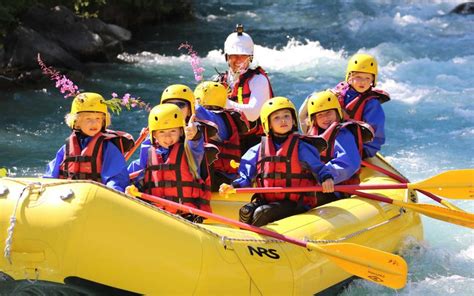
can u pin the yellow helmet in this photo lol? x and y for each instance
(361, 62)
(164, 116)
(275, 104)
(210, 93)
(323, 101)
(180, 92)
(87, 102)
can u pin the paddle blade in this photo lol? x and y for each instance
(448, 215)
(455, 184)
(450, 206)
(371, 264)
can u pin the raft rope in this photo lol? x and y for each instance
(227, 241)
(8, 242)
(359, 232)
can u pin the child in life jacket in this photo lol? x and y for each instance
(283, 158)
(183, 97)
(92, 152)
(360, 99)
(172, 165)
(249, 88)
(345, 140)
(231, 123)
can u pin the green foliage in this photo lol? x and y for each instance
(88, 8)
(11, 10)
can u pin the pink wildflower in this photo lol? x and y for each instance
(62, 82)
(195, 61)
(68, 88)
(126, 100)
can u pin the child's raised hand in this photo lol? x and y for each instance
(191, 130)
(225, 188)
(328, 185)
(130, 190)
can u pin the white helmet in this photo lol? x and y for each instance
(238, 42)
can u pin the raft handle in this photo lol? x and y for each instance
(3, 190)
(66, 194)
(27, 272)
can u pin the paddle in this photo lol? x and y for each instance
(444, 214)
(135, 174)
(138, 142)
(371, 264)
(456, 184)
(405, 180)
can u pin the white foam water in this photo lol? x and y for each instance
(426, 62)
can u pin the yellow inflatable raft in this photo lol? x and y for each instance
(81, 236)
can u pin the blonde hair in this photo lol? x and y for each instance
(71, 119)
(351, 74)
(190, 159)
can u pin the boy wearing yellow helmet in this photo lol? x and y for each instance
(345, 139)
(173, 166)
(181, 96)
(362, 101)
(231, 126)
(283, 158)
(248, 88)
(90, 152)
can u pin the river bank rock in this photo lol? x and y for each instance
(68, 42)
(64, 41)
(464, 8)
(136, 15)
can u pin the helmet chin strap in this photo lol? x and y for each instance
(237, 73)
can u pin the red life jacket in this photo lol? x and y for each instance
(236, 125)
(355, 108)
(241, 93)
(82, 164)
(122, 140)
(282, 168)
(362, 132)
(172, 180)
(86, 164)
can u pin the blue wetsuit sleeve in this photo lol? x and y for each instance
(309, 156)
(140, 163)
(204, 114)
(375, 116)
(52, 168)
(247, 168)
(114, 168)
(346, 161)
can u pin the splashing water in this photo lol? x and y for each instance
(426, 63)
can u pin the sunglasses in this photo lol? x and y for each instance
(181, 105)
